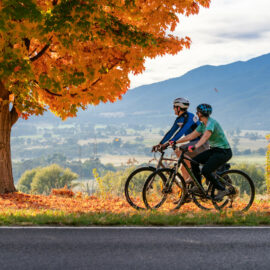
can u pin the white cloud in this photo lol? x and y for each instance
(113, 114)
(230, 30)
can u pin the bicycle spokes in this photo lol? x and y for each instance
(134, 186)
(240, 188)
(164, 192)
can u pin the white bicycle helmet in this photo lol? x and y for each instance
(183, 103)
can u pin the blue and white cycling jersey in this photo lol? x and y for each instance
(183, 125)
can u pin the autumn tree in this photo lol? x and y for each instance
(62, 55)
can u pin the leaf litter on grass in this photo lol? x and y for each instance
(116, 211)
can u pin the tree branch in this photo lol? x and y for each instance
(51, 93)
(93, 84)
(13, 115)
(32, 59)
(27, 43)
(86, 89)
(110, 68)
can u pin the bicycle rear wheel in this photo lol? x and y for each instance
(242, 191)
(134, 186)
(156, 195)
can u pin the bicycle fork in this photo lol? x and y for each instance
(168, 185)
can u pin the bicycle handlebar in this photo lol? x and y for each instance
(161, 150)
(182, 149)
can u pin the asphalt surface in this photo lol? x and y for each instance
(135, 248)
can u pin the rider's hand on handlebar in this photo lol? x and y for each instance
(156, 148)
(164, 146)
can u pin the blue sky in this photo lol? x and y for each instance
(229, 31)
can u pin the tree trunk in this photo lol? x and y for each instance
(7, 119)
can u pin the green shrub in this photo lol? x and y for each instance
(42, 180)
(24, 184)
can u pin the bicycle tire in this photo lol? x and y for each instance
(129, 180)
(177, 198)
(243, 193)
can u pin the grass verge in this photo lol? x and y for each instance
(143, 218)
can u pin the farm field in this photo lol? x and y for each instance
(118, 160)
(257, 160)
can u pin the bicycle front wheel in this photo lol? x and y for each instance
(134, 186)
(156, 193)
(242, 191)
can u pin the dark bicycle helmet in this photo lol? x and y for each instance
(204, 109)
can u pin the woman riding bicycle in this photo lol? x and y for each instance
(184, 124)
(218, 154)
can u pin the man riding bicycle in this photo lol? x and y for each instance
(218, 154)
(184, 124)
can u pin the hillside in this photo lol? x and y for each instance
(239, 93)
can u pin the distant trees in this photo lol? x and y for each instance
(42, 180)
(253, 136)
(235, 145)
(83, 169)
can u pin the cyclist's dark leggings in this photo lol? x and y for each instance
(212, 159)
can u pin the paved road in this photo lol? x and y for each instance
(135, 248)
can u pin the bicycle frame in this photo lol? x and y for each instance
(205, 192)
(170, 181)
(160, 164)
(181, 160)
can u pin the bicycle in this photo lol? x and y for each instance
(135, 181)
(240, 185)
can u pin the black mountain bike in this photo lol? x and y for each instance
(135, 181)
(159, 187)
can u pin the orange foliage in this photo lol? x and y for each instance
(62, 192)
(80, 204)
(65, 56)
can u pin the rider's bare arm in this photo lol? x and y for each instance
(207, 134)
(193, 135)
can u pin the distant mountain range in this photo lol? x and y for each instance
(239, 93)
